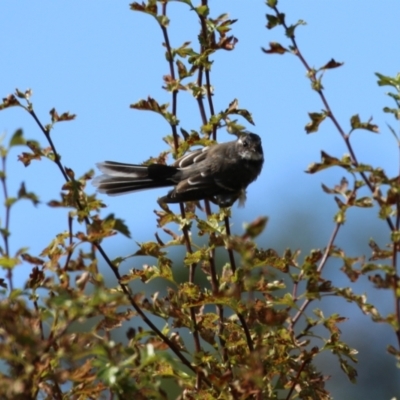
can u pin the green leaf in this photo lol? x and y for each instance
(17, 139)
(316, 84)
(234, 110)
(291, 29)
(118, 225)
(182, 70)
(388, 80)
(203, 10)
(9, 262)
(395, 236)
(197, 256)
(357, 124)
(150, 105)
(272, 3)
(364, 202)
(163, 20)
(328, 161)
(316, 119)
(272, 21)
(149, 8)
(152, 249)
(256, 227)
(184, 50)
(394, 111)
(10, 201)
(23, 194)
(386, 211)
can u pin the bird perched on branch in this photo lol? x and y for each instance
(220, 173)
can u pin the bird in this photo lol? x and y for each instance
(219, 172)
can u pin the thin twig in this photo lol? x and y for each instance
(57, 158)
(6, 231)
(215, 290)
(230, 251)
(346, 137)
(192, 268)
(296, 379)
(395, 284)
(213, 271)
(204, 118)
(321, 265)
(71, 242)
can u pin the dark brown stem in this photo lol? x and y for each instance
(200, 97)
(172, 72)
(36, 306)
(6, 232)
(213, 272)
(71, 242)
(215, 289)
(207, 72)
(57, 158)
(214, 136)
(137, 308)
(395, 284)
(185, 231)
(296, 379)
(230, 251)
(395, 277)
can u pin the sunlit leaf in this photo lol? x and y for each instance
(17, 138)
(316, 119)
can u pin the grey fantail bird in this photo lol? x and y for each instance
(220, 173)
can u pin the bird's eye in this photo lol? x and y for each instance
(245, 143)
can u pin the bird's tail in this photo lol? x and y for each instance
(119, 178)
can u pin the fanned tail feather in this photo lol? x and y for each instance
(120, 178)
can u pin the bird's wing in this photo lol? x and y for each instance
(193, 157)
(203, 179)
(198, 173)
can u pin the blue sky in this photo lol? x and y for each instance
(94, 59)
